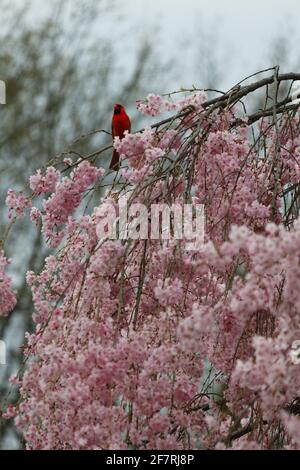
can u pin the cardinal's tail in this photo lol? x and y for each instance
(115, 161)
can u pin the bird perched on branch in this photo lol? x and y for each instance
(120, 124)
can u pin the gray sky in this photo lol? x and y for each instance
(242, 33)
(246, 30)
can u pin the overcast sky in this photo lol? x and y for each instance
(242, 34)
(246, 30)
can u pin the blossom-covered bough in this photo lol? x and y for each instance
(143, 344)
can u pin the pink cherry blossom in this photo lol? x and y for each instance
(17, 203)
(144, 344)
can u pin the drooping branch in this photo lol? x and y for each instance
(226, 100)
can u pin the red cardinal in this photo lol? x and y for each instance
(120, 123)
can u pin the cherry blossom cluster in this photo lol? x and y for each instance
(17, 203)
(43, 184)
(156, 104)
(65, 197)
